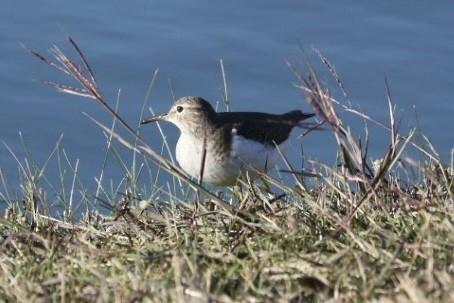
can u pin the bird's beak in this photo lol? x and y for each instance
(162, 117)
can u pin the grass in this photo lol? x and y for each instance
(366, 230)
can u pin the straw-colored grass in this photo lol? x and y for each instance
(366, 230)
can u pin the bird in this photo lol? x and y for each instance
(219, 148)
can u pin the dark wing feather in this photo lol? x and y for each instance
(269, 129)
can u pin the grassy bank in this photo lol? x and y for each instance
(366, 230)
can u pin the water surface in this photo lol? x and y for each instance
(410, 44)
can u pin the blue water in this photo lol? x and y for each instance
(411, 43)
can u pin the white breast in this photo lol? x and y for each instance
(222, 169)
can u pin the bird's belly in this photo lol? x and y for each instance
(220, 168)
(253, 154)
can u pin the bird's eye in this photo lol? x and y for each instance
(179, 108)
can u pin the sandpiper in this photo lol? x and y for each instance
(222, 147)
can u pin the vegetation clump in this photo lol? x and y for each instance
(365, 230)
